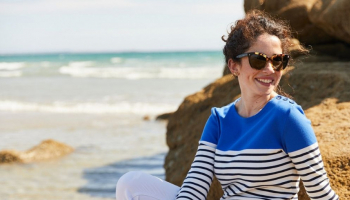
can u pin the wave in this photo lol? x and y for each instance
(166, 65)
(11, 65)
(143, 73)
(89, 108)
(116, 60)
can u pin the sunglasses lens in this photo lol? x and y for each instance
(257, 61)
(285, 61)
(277, 62)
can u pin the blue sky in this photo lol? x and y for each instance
(43, 26)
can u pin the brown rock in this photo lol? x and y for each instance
(322, 89)
(48, 149)
(164, 116)
(323, 24)
(146, 118)
(332, 16)
(297, 13)
(9, 156)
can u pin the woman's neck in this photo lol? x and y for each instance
(250, 105)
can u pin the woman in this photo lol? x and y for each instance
(259, 146)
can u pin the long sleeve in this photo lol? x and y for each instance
(200, 176)
(302, 147)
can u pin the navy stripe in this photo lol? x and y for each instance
(313, 171)
(184, 191)
(319, 197)
(273, 191)
(205, 156)
(269, 185)
(319, 190)
(201, 161)
(256, 168)
(186, 197)
(316, 177)
(199, 167)
(196, 172)
(259, 181)
(310, 166)
(303, 154)
(266, 174)
(309, 159)
(187, 186)
(194, 177)
(193, 183)
(316, 184)
(210, 151)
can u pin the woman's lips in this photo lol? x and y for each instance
(264, 81)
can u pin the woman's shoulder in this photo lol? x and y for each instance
(286, 105)
(221, 112)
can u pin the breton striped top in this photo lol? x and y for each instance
(260, 157)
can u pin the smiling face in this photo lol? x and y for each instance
(258, 83)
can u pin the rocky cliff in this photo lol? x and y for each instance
(320, 84)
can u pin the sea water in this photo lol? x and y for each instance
(96, 103)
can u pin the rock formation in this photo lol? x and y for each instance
(323, 24)
(48, 149)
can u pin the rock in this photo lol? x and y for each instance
(323, 24)
(328, 110)
(164, 116)
(338, 50)
(146, 118)
(9, 156)
(48, 149)
(332, 16)
(297, 13)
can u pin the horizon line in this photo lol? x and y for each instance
(106, 52)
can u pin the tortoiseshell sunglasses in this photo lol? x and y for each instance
(258, 60)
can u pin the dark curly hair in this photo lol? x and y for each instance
(245, 32)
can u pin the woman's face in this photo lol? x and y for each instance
(259, 82)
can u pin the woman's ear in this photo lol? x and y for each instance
(233, 67)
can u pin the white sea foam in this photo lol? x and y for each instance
(116, 60)
(81, 64)
(143, 73)
(11, 65)
(88, 108)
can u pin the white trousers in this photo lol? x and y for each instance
(141, 186)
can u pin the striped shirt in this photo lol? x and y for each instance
(260, 157)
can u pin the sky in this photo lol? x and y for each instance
(49, 26)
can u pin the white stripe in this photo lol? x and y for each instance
(256, 151)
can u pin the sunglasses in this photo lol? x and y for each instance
(258, 60)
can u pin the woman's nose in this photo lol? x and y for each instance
(269, 67)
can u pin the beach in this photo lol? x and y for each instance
(103, 105)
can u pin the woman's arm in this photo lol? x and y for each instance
(199, 178)
(308, 162)
(302, 147)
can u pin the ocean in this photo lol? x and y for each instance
(96, 103)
